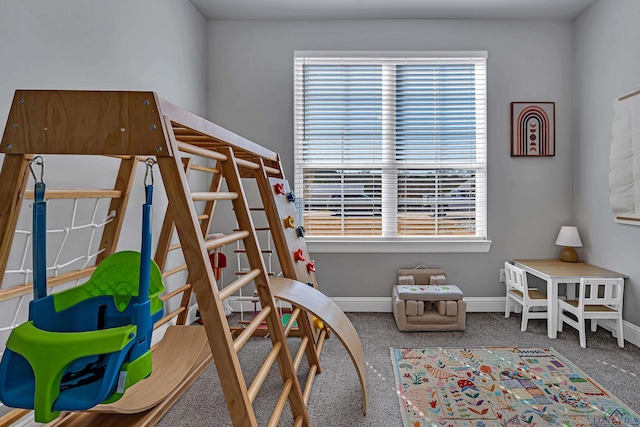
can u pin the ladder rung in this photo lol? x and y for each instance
(77, 193)
(168, 317)
(242, 273)
(320, 344)
(174, 271)
(272, 171)
(177, 130)
(192, 149)
(247, 322)
(17, 291)
(226, 239)
(256, 228)
(256, 209)
(264, 370)
(300, 354)
(204, 169)
(12, 416)
(247, 164)
(231, 289)
(292, 319)
(307, 387)
(207, 196)
(252, 165)
(243, 251)
(180, 130)
(176, 292)
(203, 216)
(277, 412)
(174, 247)
(197, 139)
(250, 329)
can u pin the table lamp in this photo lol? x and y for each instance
(569, 238)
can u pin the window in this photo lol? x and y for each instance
(391, 146)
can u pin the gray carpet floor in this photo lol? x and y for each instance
(336, 399)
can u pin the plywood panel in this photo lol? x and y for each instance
(84, 122)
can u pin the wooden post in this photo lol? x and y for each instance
(111, 232)
(13, 179)
(202, 279)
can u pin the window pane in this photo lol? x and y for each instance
(437, 202)
(342, 108)
(341, 202)
(435, 112)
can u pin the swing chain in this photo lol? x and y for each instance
(38, 161)
(148, 176)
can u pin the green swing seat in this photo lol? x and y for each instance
(83, 346)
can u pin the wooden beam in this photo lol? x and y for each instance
(13, 179)
(84, 122)
(123, 184)
(204, 285)
(77, 193)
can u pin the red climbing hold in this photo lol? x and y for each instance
(311, 266)
(299, 255)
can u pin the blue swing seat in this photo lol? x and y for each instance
(85, 345)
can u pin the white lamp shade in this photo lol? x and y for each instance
(569, 236)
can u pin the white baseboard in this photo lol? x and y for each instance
(364, 304)
(474, 305)
(631, 331)
(383, 304)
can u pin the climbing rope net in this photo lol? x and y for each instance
(17, 291)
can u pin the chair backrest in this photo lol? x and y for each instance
(600, 291)
(516, 278)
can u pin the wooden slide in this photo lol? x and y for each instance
(178, 360)
(318, 304)
(173, 359)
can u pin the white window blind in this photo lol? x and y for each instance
(391, 145)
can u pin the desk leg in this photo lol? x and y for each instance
(552, 309)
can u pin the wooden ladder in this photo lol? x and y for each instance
(133, 125)
(225, 350)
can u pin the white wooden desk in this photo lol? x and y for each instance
(554, 271)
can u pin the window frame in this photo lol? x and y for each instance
(389, 242)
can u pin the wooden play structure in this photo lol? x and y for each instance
(128, 127)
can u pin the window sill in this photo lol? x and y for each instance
(381, 245)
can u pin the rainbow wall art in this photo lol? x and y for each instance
(533, 129)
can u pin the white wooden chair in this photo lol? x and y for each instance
(518, 293)
(599, 299)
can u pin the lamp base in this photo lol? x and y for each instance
(569, 255)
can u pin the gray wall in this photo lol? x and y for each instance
(250, 91)
(154, 45)
(606, 65)
(124, 45)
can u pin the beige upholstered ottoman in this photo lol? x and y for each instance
(422, 301)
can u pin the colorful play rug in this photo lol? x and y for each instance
(500, 386)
